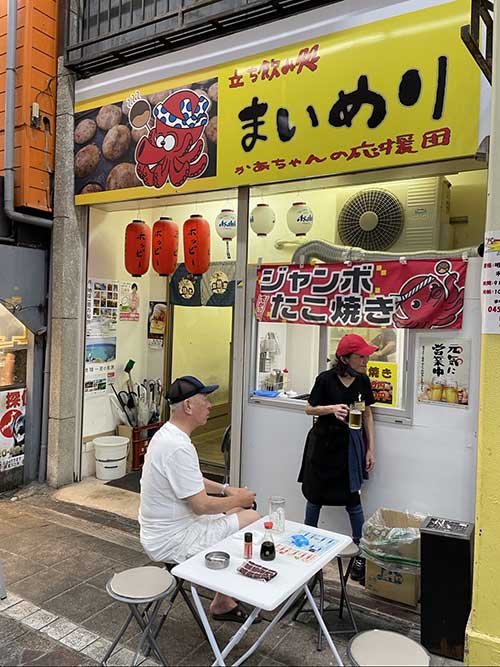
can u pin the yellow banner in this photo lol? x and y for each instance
(384, 380)
(399, 91)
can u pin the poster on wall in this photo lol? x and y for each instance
(417, 294)
(100, 361)
(102, 307)
(157, 319)
(383, 378)
(12, 416)
(443, 372)
(490, 283)
(296, 111)
(126, 143)
(129, 302)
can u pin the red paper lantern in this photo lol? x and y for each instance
(137, 248)
(165, 246)
(196, 233)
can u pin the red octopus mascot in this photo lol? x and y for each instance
(429, 302)
(173, 150)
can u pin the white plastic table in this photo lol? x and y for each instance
(291, 582)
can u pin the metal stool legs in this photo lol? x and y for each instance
(344, 578)
(344, 599)
(145, 622)
(180, 589)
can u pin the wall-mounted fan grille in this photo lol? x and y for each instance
(371, 219)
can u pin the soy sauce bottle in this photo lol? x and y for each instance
(267, 549)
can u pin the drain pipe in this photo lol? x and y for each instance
(17, 217)
(10, 122)
(42, 459)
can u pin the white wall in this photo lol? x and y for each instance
(427, 467)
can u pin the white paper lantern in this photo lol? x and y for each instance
(262, 219)
(225, 224)
(299, 218)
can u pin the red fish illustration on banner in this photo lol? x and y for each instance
(173, 150)
(430, 301)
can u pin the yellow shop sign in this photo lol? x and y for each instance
(394, 92)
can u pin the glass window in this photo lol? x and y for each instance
(13, 350)
(287, 358)
(386, 368)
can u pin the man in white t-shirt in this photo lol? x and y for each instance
(177, 516)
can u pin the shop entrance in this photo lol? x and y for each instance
(201, 347)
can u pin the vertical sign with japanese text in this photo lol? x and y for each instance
(334, 104)
(443, 372)
(12, 415)
(490, 283)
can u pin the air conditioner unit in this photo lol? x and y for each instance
(400, 216)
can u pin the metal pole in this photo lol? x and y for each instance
(483, 633)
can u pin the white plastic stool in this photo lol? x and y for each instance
(147, 586)
(381, 648)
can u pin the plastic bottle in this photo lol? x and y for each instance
(267, 548)
(285, 379)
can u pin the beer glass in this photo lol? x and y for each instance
(355, 416)
(277, 513)
(451, 391)
(437, 389)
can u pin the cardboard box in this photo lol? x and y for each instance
(392, 585)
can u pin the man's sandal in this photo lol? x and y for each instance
(235, 615)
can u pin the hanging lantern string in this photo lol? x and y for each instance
(228, 253)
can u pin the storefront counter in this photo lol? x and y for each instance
(427, 465)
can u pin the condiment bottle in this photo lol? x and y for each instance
(248, 547)
(267, 549)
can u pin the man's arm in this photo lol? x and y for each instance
(202, 503)
(213, 487)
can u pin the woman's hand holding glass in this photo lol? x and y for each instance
(340, 411)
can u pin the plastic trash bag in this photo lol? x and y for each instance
(391, 539)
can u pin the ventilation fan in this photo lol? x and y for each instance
(371, 219)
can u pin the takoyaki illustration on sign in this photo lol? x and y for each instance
(173, 149)
(430, 301)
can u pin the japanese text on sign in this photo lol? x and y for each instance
(422, 294)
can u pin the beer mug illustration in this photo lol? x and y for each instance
(451, 391)
(437, 387)
(355, 416)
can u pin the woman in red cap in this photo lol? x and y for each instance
(336, 458)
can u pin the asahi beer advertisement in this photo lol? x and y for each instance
(443, 372)
(12, 415)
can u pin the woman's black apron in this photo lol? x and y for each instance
(324, 472)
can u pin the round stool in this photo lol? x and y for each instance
(381, 648)
(147, 586)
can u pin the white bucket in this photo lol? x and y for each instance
(111, 457)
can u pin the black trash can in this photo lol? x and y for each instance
(446, 596)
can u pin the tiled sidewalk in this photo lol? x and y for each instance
(57, 559)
